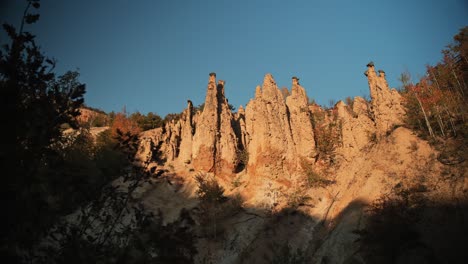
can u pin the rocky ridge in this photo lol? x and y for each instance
(367, 155)
(276, 132)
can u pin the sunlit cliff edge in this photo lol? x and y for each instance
(307, 177)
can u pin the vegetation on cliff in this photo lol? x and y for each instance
(74, 196)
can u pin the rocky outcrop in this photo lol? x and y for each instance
(270, 142)
(92, 117)
(148, 149)
(387, 106)
(186, 134)
(276, 129)
(214, 143)
(240, 128)
(358, 129)
(300, 120)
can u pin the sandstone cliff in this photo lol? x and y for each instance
(215, 143)
(386, 103)
(356, 156)
(270, 144)
(276, 129)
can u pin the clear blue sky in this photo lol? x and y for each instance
(154, 55)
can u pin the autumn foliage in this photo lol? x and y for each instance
(437, 103)
(125, 125)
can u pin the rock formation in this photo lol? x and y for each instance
(301, 126)
(214, 143)
(276, 128)
(386, 104)
(186, 134)
(357, 127)
(270, 143)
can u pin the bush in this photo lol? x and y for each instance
(214, 206)
(392, 225)
(209, 189)
(312, 178)
(327, 133)
(242, 159)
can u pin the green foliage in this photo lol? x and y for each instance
(214, 206)
(99, 121)
(312, 178)
(52, 173)
(209, 189)
(146, 122)
(172, 117)
(115, 228)
(327, 132)
(392, 225)
(35, 104)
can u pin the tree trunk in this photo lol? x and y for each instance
(429, 128)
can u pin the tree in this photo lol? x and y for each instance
(146, 122)
(436, 105)
(48, 173)
(172, 117)
(35, 104)
(125, 125)
(153, 121)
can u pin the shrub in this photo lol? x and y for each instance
(392, 225)
(327, 133)
(242, 159)
(209, 189)
(215, 206)
(312, 178)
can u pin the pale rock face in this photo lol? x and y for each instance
(276, 131)
(386, 104)
(148, 141)
(185, 149)
(241, 131)
(173, 139)
(357, 127)
(301, 126)
(214, 143)
(270, 144)
(203, 147)
(87, 115)
(227, 142)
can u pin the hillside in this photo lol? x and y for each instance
(348, 184)
(282, 180)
